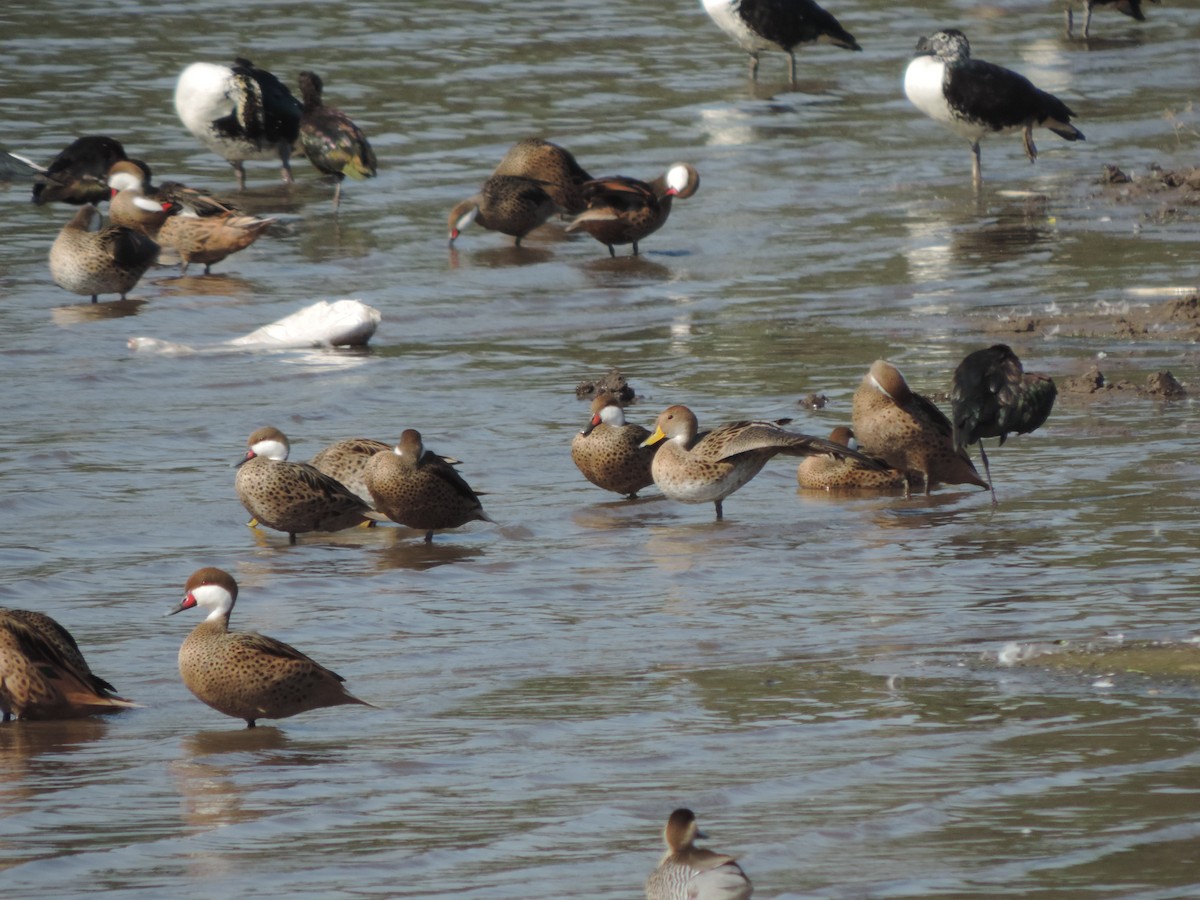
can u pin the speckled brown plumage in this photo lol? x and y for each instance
(419, 489)
(609, 451)
(694, 467)
(551, 165)
(506, 203)
(292, 497)
(243, 674)
(827, 474)
(43, 674)
(109, 261)
(346, 461)
(624, 210)
(907, 431)
(688, 872)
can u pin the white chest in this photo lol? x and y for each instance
(723, 12)
(924, 85)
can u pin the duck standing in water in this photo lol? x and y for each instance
(511, 204)
(109, 261)
(240, 112)
(43, 674)
(993, 396)
(688, 872)
(244, 674)
(624, 210)
(553, 167)
(973, 98)
(784, 25)
(609, 451)
(332, 142)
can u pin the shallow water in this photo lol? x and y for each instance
(823, 679)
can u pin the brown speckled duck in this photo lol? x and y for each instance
(624, 210)
(688, 872)
(707, 467)
(346, 461)
(826, 473)
(906, 430)
(243, 674)
(417, 488)
(109, 261)
(332, 142)
(292, 497)
(609, 452)
(552, 166)
(510, 204)
(43, 674)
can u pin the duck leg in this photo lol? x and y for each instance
(635, 249)
(1070, 18)
(285, 156)
(753, 66)
(792, 67)
(720, 512)
(1087, 21)
(987, 470)
(976, 169)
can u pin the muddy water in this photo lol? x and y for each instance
(827, 681)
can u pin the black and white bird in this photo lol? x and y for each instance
(1131, 8)
(972, 97)
(240, 112)
(993, 396)
(759, 25)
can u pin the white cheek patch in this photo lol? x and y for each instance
(677, 178)
(613, 416)
(271, 450)
(147, 204)
(879, 387)
(123, 181)
(467, 218)
(213, 597)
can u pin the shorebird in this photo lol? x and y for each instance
(109, 261)
(511, 204)
(993, 396)
(292, 497)
(43, 674)
(688, 872)
(826, 473)
(1131, 8)
(784, 25)
(907, 431)
(706, 467)
(972, 97)
(417, 488)
(248, 675)
(609, 452)
(624, 210)
(332, 142)
(240, 112)
(552, 166)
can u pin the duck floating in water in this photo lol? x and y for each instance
(688, 872)
(784, 25)
(973, 98)
(419, 489)
(993, 396)
(332, 142)
(706, 467)
(907, 431)
(240, 112)
(43, 674)
(244, 674)
(342, 323)
(109, 261)
(624, 210)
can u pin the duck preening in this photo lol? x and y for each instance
(623, 210)
(1131, 8)
(332, 142)
(109, 261)
(240, 112)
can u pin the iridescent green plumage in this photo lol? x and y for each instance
(333, 144)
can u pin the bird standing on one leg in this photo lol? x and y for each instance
(972, 97)
(994, 396)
